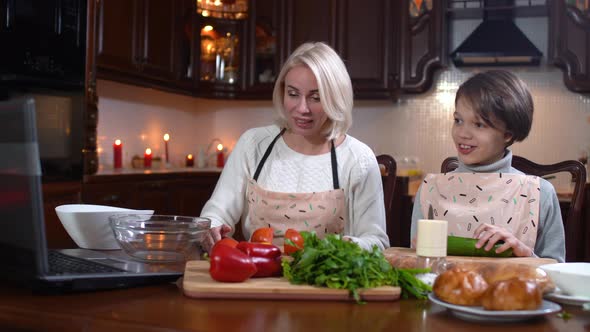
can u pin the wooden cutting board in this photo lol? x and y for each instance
(198, 283)
(395, 252)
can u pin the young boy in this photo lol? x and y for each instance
(485, 197)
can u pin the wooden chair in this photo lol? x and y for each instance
(388, 175)
(574, 237)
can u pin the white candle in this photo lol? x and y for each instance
(432, 238)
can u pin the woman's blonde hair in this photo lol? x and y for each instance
(334, 86)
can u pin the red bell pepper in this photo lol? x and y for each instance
(230, 264)
(259, 249)
(267, 267)
(266, 257)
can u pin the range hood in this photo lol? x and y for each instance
(497, 41)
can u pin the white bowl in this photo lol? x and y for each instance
(571, 278)
(88, 225)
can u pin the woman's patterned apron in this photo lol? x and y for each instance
(322, 212)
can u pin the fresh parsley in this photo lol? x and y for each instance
(565, 315)
(335, 263)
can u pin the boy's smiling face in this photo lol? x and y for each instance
(476, 142)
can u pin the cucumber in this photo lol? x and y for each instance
(463, 246)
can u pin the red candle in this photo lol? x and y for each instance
(118, 154)
(220, 156)
(166, 139)
(147, 158)
(190, 160)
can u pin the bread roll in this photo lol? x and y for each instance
(460, 286)
(494, 272)
(513, 294)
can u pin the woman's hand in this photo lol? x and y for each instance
(488, 235)
(215, 234)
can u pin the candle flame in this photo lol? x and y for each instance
(190, 156)
(117, 142)
(219, 147)
(166, 137)
(148, 151)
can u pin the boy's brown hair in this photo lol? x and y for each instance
(498, 95)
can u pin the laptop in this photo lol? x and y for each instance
(23, 249)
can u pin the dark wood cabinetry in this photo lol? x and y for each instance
(569, 44)
(385, 48)
(146, 42)
(116, 36)
(423, 43)
(169, 193)
(367, 39)
(365, 34)
(182, 193)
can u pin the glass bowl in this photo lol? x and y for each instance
(159, 238)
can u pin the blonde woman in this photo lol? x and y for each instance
(304, 172)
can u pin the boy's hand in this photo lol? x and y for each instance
(488, 235)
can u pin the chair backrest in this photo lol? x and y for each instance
(573, 224)
(388, 175)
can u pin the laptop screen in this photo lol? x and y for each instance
(22, 240)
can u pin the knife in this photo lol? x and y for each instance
(430, 212)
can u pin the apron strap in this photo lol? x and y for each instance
(267, 153)
(335, 181)
(334, 167)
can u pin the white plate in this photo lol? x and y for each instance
(559, 297)
(479, 314)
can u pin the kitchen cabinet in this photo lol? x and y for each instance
(182, 193)
(367, 39)
(363, 33)
(146, 42)
(387, 46)
(569, 42)
(264, 54)
(423, 43)
(221, 57)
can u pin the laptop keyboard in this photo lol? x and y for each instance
(60, 263)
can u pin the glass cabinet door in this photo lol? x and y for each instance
(186, 50)
(220, 51)
(266, 14)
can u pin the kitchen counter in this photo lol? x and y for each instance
(114, 175)
(127, 171)
(165, 308)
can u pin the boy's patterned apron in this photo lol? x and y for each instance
(322, 212)
(467, 200)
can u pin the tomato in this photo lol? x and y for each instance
(228, 241)
(230, 264)
(296, 239)
(262, 235)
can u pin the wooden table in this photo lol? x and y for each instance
(164, 308)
